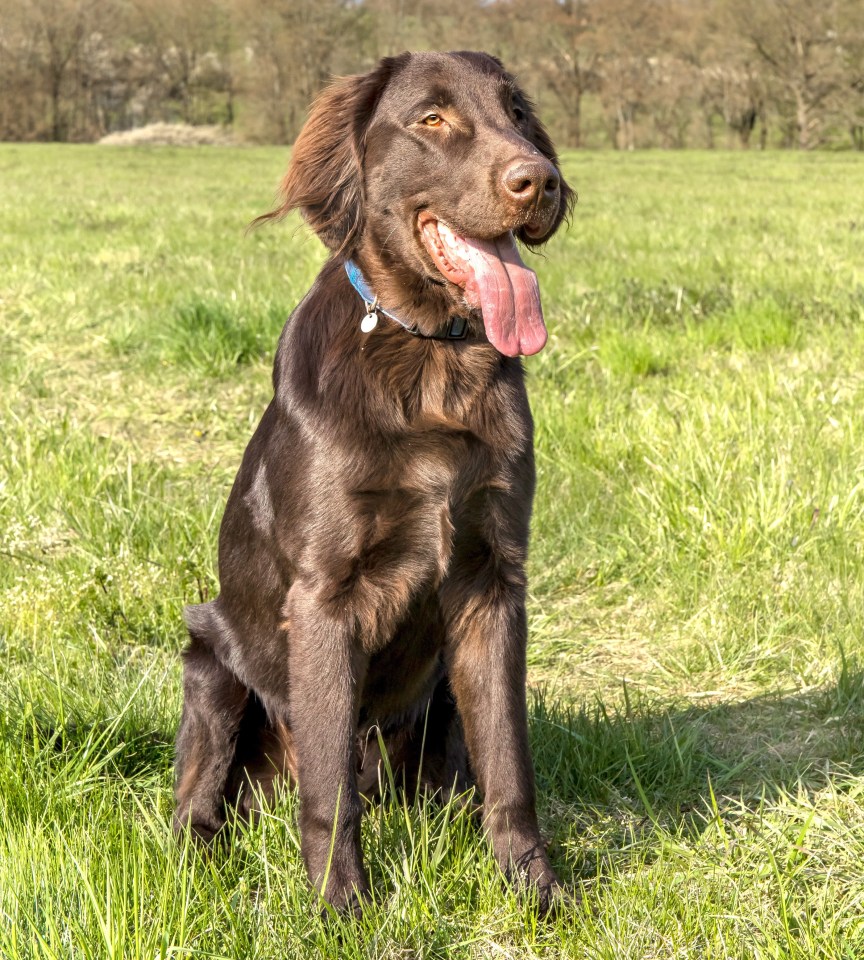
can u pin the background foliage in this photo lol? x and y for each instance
(620, 73)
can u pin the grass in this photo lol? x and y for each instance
(697, 574)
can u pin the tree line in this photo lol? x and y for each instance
(620, 73)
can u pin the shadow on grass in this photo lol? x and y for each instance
(659, 758)
(644, 764)
(70, 738)
(647, 766)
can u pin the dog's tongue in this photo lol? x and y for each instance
(497, 281)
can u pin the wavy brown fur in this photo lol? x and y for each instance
(372, 553)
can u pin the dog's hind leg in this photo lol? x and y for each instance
(443, 761)
(265, 755)
(214, 703)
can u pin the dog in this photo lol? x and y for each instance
(372, 552)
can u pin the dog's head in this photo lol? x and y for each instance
(426, 168)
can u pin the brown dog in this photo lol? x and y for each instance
(372, 553)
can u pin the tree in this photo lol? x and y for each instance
(61, 30)
(293, 47)
(797, 43)
(553, 42)
(849, 100)
(629, 34)
(188, 45)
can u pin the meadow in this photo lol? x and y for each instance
(696, 660)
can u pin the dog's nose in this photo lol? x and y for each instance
(531, 181)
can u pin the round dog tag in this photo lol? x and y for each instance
(369, 322)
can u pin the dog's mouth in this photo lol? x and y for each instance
(495, 281)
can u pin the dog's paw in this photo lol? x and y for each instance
(205, 834)
(532, 875)
(346, 903)
(555, 901)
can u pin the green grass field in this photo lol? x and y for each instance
(697, 569)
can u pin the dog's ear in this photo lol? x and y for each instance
(325, 177)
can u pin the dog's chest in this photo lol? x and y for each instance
(408, 516)
(402, 526)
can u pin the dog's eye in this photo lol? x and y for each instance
(433, 120)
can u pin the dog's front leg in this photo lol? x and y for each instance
(487, 633)
(326, 674)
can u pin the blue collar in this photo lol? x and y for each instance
(457, 330)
